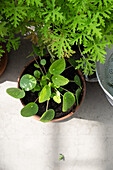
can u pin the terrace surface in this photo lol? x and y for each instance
(85, 139)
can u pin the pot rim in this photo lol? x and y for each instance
(69, 114)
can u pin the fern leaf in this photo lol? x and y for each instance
(3, 29)
(13, 42)
(15, 13)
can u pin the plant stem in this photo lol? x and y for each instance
(31, 54)
(68, 91)
(72, 81)
(43, 66)
(47, 105)
(81, 52)
(36, 100)
(68, 67)
(65, 89)
(59, 92)
(39, 65)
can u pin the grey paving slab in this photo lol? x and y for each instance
(85, 139)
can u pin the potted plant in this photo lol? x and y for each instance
(48, 91)
(62, 24)
(8, 30)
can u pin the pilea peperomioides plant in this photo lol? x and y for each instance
(48, 85)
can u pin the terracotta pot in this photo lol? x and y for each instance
(73, 110)
(4, 59)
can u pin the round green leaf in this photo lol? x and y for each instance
(68, 101)
(16, 93)
(45, 94)
(29, 110)
(47, 116)
(37, 73)
(59, 80)
(28, 82)
(77, 80)
(43, 62)
(57, 67)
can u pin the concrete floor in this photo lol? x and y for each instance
(85, 139)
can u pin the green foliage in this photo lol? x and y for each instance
(73, 62)
(59, 80)
(59, 24)
(86, 23)
(57, 67)
(57, 97)
(3, 29)
(27, 82)
(29, 110)
(46, 86)
(36, 65)
(12, 42)
(16, 93)
(43, 62)
(15, 12)
(45, 94)
(37, 73)
(78, 92)
(47, 116)
(68, 101)
(36, 88)
(39, 51)
(1, 52)
(77, 80)
(87, 65)
(61, 157)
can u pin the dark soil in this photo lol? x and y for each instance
(72, 87)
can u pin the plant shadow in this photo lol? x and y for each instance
(95, 106)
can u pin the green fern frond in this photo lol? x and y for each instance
(87, 65)
(15, 13)
(13, 43)
(1, 52)
(3, 29)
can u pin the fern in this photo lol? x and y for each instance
(3, 28)
(52, 12)
(1, 52)
(13, 43)
(15, 12)
(60, 24)
(31, 2)
(87, 65)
